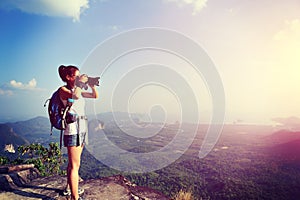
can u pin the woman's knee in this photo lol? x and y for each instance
(74, 166)
(74, 154)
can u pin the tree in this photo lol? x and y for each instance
(47, 160)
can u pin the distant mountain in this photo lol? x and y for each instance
(283, 136)
(9, 136)
(288, 151)
(291, 123)
(284, 144)
(120, 116)
(36, 130)
(31, 126)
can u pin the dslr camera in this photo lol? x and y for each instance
(91, 81)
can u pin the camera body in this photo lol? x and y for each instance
(91, 81)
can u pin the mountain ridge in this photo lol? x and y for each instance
(9, 136)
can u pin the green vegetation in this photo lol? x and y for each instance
(47, 160)
(4, 160)
(225, 175)
(239, 167)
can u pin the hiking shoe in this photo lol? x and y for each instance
(67, 192)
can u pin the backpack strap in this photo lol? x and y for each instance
(67, 108)
(61, 137)
(45, 104)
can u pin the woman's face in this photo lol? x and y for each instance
(73, 77)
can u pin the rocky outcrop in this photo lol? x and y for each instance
(26, 184)
(11, 178)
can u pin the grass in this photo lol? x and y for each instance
(184, 195)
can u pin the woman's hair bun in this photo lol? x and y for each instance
(62, 72)
(61, 68)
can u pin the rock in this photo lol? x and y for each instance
(21, 186)
(16, 179)
(8, 169)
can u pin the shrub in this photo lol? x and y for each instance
(47, 160)
(3, 160)
(184, 195)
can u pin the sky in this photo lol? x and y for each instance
(254, 46)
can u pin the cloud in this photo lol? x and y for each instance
(290, 30)
(31, 85)
(6, 92)
(10, 88)
(198, 5)
(57, 8)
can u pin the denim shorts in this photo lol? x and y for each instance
(74, 140)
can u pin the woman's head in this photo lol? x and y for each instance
(68, 72)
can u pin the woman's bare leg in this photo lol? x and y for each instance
(74, 154)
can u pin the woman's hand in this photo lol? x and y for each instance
(81, 81)
(83, 78)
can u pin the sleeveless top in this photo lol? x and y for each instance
(80, 125)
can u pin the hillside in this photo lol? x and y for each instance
(283, 136)
(36, 130)
(244, 164)
(9, 136)
(284, 144)
(288, 151)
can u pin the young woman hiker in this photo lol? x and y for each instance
(75, 134)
